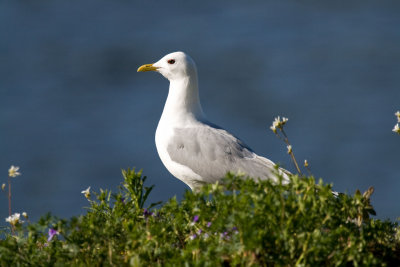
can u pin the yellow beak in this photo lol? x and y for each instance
(146, 67)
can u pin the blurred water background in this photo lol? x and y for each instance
(73, 110)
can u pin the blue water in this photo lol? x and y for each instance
(73, 110)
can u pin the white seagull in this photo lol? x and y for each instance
(193, 149)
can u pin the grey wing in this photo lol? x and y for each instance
(212, 152)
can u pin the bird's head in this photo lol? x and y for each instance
(174, 66)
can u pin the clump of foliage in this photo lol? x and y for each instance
(240, 222)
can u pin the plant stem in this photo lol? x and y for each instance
(308, 171)
(286, 140)
(9, 202)
(295, 163)
(9, 196)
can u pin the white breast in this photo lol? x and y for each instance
(164, 134)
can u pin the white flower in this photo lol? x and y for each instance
(305, 163)
(289, 149)
(25, 215)
(86, 192)
(3, 186)
(397, 115)
(278, 123)
(396, 129)
(13, 171)
(273, 128)
(14, 219)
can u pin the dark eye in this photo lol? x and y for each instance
(171, 61)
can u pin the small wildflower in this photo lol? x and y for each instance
(209, 224)
(396, 129)
(86, 192)
(397, 115)
(273, 128)
(278, 123)
(199, 231)
(52, 233)
(25, 215)
(205, 236)
(147, 213)
(289, 149)
(14, 219)
(224, 235)
(194, 220)
(193, 236)
(235, 230)
(3, 186)
(13, 171)
(305, 163)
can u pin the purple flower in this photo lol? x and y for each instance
(235, 230)
(209, 224)
(199, 231)
(147, 213)
(195, 218)
(193, 236)
(52, 233)
(224, 235)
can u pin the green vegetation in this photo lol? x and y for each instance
(242, 222)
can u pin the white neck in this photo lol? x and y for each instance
(183, 102)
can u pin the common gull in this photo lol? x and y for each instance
(192, 148)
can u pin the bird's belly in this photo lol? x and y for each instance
(183, 173)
